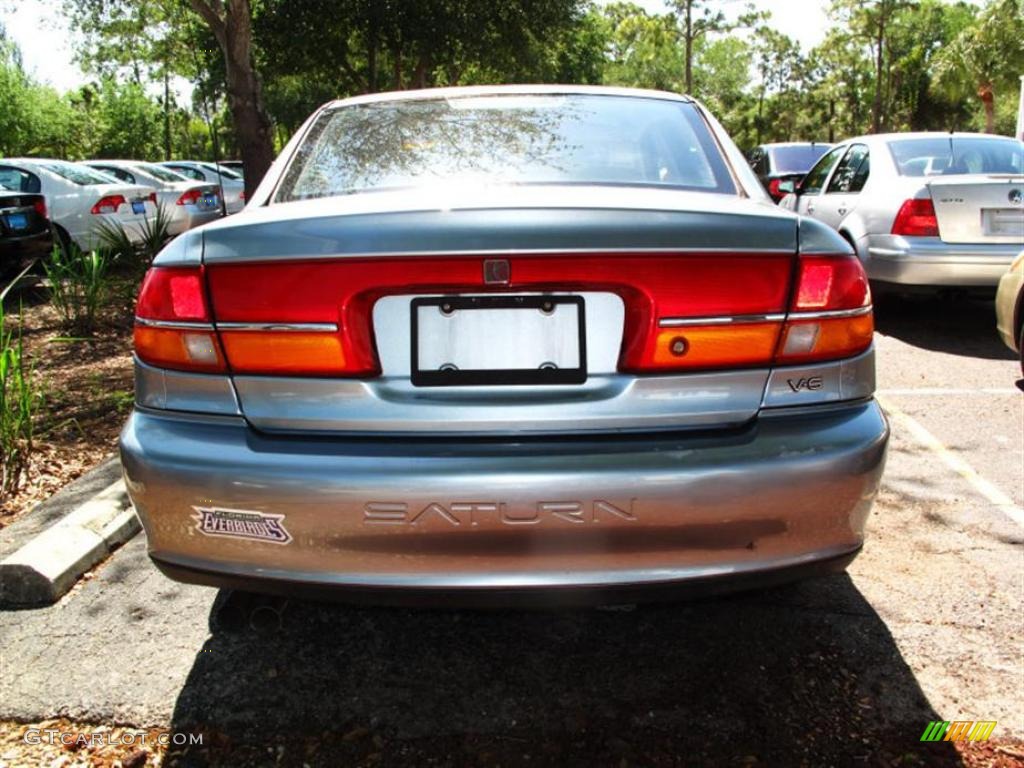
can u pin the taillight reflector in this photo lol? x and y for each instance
(185, 349)
(285, 352)
(825, 338)
(190, 197)
(109, 204)
(172, 322)
(173, 293)
(916, 218)
(714, 346)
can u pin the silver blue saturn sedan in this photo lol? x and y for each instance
(505, 342)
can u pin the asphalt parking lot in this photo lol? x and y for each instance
(844, 670)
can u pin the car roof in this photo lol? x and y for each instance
(775, 144)
(879, 138)
(116, 162)
(506, 90)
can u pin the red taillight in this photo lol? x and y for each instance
(40, 206)
(830, 314)
(190, 197)
(152, 197)
(916, 218)
(172, 322)
(773, 189)
(241, 196)
(109, 204)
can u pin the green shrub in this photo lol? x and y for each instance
(78, 285)
(114, 239)
(20, 397)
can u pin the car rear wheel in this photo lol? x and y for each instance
(62, 238)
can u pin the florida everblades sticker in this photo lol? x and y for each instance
(241, 524)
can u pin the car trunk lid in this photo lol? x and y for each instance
(979, 208)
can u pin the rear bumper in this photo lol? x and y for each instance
(191, 216)
(931, 262)
(751, 506)
(1007, 301)
(16, 252)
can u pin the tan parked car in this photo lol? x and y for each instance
(1010, 307)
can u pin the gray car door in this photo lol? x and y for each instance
(813, 184)
(843, 189)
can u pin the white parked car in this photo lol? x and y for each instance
(187, 203)
(232, 185)
(922, 209)
(80, 200)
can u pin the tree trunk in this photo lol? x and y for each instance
(689, 46)
(876, 106)
(231, 23)
(167, 113)
(988, 98)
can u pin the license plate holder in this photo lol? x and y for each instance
(556, 328)
(1004, 221)
(16, 220)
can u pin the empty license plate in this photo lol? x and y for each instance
(495, 340)
(16, 220)
(1004, 221)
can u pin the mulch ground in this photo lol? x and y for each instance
(87, 387)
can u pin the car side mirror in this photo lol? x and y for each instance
(788, 187)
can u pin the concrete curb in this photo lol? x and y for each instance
(48, 565)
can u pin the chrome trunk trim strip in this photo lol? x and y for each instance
(678, 322)
(858, 312)
(173, 325)
(286, 327)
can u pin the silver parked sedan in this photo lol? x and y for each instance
(922, 209)
(186, 203)
(504, 340)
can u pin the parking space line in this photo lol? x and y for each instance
(999, 499)
(943, 391)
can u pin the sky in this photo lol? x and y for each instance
(41, 32)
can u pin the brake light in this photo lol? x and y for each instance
(916, 218)
(241, 196)
(40, 207)
(173, 326)
(773, 189)
(152, 197)
(190, 197)
(830, 314)
(109, 204)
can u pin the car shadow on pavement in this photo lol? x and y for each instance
(957, 325)
(800, 675)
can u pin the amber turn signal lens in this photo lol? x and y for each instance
(283, 352)
(826, 339)
(715, 346)
(183, 350)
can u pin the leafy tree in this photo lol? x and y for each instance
(870, 20)
(985, 57)
(643, 50)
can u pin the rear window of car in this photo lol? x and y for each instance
(227, 173)
(951, 156)
(79, 174)
(799, 159)
(506, 139)
(160, 173)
